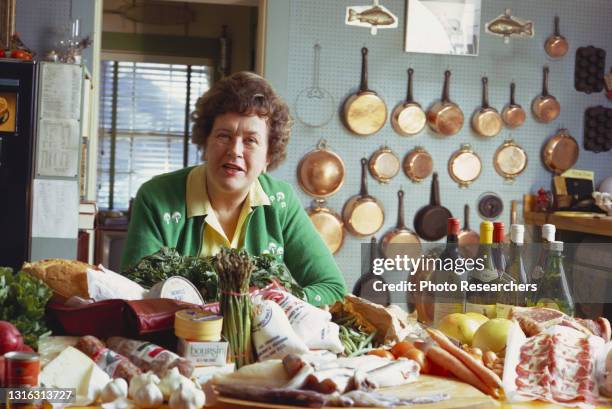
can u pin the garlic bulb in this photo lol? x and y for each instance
(121, 403)
(148, 396)
(187, 397)
(171, 382)
(139, 380)
(115, 389)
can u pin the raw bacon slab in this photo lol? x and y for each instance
(535, 320)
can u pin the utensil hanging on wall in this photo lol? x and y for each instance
(315, 106)
(384, 164)
(464, 166)
(490, 206)
(510, 160)
(400, 240)
(513, 114)
(445, 117)
(431, 220)
(556, 46)
(560, 152)
(545, 107)
(328, 223)
(321, 171)
(364, 112)
(408, 118)
(468, 239)
(486, 121)
(364, 287)
(363, 214)
(418, 164)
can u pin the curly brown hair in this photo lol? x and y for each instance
(244, 93)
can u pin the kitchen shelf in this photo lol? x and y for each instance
(600, 225)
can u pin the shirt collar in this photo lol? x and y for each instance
(197, 200)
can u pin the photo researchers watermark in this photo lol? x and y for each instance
(464, 286)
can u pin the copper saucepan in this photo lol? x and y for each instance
(321, 171)
(400, 240)
(408, 118)
(486, 121)
(545, 107)
(364, 112)
(328, 223)
(445, 117)
(513, 114)
(556, 46)
(468, 239)
(560, 152)
(363, 215)
(418, 164)
(384, 164)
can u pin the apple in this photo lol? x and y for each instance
(459, 326)
(10, 338)
(478, 317)
(492, 335)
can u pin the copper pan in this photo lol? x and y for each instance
(408, 118)
(418, 164)
(445, 117)
(384, 164)
(321, 171)
(556, 46)
(468, 239)
(545, 107)
(560, 152)
(510, 160)
(363, 215)
(486, 121)
(364, 112)
(464, 166)
(400, 240)
(328, 223)
(513, 114)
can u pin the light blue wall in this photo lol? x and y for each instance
(294, 26)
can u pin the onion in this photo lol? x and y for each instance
(10, 338)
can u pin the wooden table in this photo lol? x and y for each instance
(600, 224)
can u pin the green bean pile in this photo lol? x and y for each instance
(355, 340)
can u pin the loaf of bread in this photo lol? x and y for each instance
(67, 278)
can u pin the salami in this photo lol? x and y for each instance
(150, 357)
(114, 364)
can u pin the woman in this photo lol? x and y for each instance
(242, 127)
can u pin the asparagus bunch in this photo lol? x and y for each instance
(234, 269)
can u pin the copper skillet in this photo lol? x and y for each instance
(560, 152)
(321, 171)
(364, 112)
(445, 117)
(363, 215)
(328, 223)
(384, 164)
(486, 121)
(418, 164)
(468, 239)
(545, 107)
(408, 118)
(400, 240)
(513, 114)
(556, 46)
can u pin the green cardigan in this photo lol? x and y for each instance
(282, 229)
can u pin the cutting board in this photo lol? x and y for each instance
(462, 396)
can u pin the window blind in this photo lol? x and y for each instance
(150, 117)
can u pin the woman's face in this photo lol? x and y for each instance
(236, 152)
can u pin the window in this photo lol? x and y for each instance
(144, 109)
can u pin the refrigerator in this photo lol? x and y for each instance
(17, 130)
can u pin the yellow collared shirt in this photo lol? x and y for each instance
(198, 204)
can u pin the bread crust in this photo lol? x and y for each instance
(66, 278)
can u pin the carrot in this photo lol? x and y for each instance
(443, 358)
(489, 377)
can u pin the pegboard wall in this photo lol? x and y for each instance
(293, 32)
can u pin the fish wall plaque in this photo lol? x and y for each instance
(373, 17)
(507, 26)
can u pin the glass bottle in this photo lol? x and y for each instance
(553, 289)
(499, 258)
(537, 270)
(450, 272)
(514, 273)
(478, 299)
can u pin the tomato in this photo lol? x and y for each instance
(20, 54)
(401, 348)
(2, 54)
(383, 353)
(419, 357)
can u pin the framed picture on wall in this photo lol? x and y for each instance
(443, 27)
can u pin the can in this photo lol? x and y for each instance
(176, 288)
(21, 369)
(198, 325)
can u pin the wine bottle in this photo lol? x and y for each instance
(537, 270)
(553, 289)
(497, 249)
(478, 299)
(514, 273)
(452, 301)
